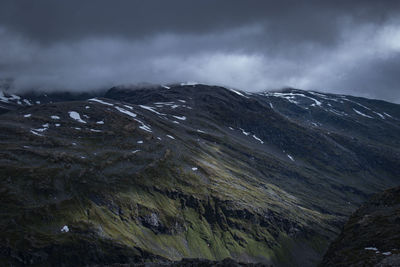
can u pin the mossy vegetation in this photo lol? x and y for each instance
(166, 211)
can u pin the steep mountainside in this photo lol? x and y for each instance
(187, 171)
(371, 237)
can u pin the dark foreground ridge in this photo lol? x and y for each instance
(371, 237)
(165, 173)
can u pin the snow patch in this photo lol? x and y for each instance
(237, 92)
(182, 118)
(35, 133)
(15, 97)
(390, 116)
(194, 169)
(140, 142)
(65, 229)
(75, 115)
(258, 139)
(27, 102)
(99, 122)
(356, 103)
(189, 84)
(379, 114)
(131, 108)
(54, 117)
(362, 114)
(100, 101)
(127, 112)
(243, 132)
(290, 157)
(164, 103)
(151, 109)
(40, 130)
(371, 248)
(3, 98)
(170, 136)
(144, 126)
(339, 113)
(292, 96)
(27, 115)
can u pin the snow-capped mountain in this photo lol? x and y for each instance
(188, 171)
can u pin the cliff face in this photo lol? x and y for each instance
(187, 171)
(371, 237)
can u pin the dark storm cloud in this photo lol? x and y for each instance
(49, 20)
(338, 46)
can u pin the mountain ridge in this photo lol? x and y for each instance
(370, 236)
(203, 171)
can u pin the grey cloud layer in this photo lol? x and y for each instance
(347, 47)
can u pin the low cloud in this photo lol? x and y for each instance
(363, 61)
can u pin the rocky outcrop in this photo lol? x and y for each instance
(371, 237)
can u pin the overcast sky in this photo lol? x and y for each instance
(350, 47)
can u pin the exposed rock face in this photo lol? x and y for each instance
(158, 175)
(371, 237)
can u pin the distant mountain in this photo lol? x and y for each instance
(187, 171)
(371, 236)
